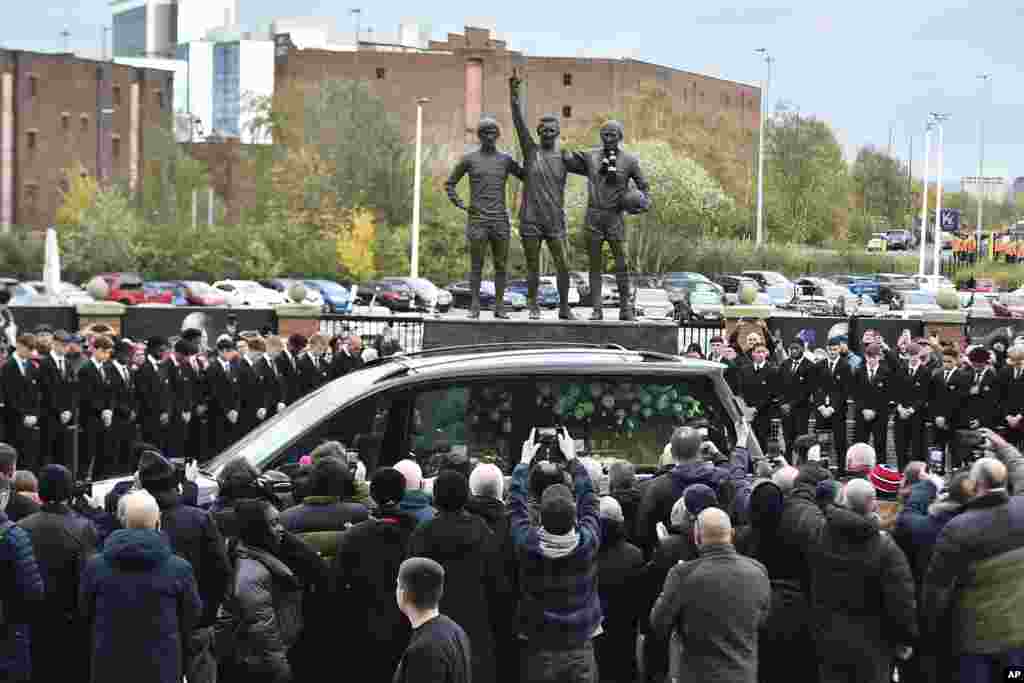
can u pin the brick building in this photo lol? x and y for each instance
(58, 111)
(467, 75)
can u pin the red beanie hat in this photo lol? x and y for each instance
(886, 480)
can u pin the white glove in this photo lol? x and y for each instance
(201, 410)
(529, 448)
(192, 471)
(905, 653)
(940, 422)
(164, 418)
(974, 391)
(786, 408)
(662, 532)
(566, 443)
(95, 501)
(65, 417)
(232, 416)
(108, 417)
(186, 417)
(940, 484)
(261, 414)
(823, 411)
(974, 424)
(869, 415)
(30, 421)
(280, 407)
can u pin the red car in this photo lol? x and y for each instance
(127, 289)
(201, 294)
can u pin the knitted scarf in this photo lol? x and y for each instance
(555, 546)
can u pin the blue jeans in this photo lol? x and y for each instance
(560, 666)
(987, 668)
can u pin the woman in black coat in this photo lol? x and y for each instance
(469, 552)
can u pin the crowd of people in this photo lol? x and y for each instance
(937, 393)
(87, 400)
(719, 568)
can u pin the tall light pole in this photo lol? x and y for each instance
(986, 81)
(940, 120)
(414, 258)
(760, 153)
(358, 14)
(924, 195)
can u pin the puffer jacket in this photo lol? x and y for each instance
(262, 617)
(22, 586)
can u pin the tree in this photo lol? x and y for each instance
(356, 249)
(106, 238)
(806, 179)
(880, 186)
(79, 196)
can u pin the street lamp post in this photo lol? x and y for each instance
(414, 259)
(986, 80)
(924, 195)
(760, 144)
(939, 122)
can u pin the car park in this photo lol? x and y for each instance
(915, 302)
(394, 294)
(249, 293)
(581, 280)
(483, 402)
(201, 294)
(899, 240)
(67, 293)
(889, 291)
(337, 298)
(462, 297)
(653, 303)
(159, 287)
(933, 283)
(547, 294)
(282, 285)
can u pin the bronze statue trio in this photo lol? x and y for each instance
(616, 186)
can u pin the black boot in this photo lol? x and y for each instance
(626, 311)
(564, 310)
(474, 289)
(596, 298)
(532, 285)
(499, 297)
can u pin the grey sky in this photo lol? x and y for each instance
(862, 66)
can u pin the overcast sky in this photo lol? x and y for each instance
(864, 67)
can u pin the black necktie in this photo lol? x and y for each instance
(1016, 373)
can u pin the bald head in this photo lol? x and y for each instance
(139, 510)
(860, 458)
(685, 444)
(713, 527)
(413, 474)
(988, 474)
(860, 496)
(785, 477)
(487, 481)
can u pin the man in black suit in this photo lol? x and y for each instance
(349, 358)
(872, 390)
(273, 391)
(198, 440)
(980, 408)
(20, 378)
(911, 396)
(797, 379)
(96, 408)
(59, 390)
(1011, 397)
(831, 398)
(950, 388)
(182, 378)
(759, 387)
(225, 399)
(125, 403)
(287, 365)
(250, 388)
(154, 393)
(313, 369)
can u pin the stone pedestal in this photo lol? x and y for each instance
(647, 335)
(109, 313)
(297, 319)
(946, 325)
(745, 318)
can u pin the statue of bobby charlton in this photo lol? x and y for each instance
(542, 210)
(609, 169)
(488, 221)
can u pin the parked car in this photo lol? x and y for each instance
(652, 301)
(179, 297)
(889, 291)
(899, 240)
(547, 295)
(21, 293)
(703, 302)
(933, 283)
(574, 294)
(67, 293)
(337, 298)
(202, 294)
(426, 295)
(878, 242)
(609, 291)
(462, 297)
(394, 294)
(824, 288)
(888, 278)
(375, 405)
(582, 282)
(915, 302)
(858, 284)
(249, 293)
(129, 289)
(732, 284)
(281, 284)
(776, 285)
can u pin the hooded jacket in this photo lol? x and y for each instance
(474, 579)
(663, 491)
(140, 600)
(620, 566)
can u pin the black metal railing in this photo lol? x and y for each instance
(376, 330)
(699, 332)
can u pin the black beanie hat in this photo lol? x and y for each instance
(451, 491)
(55, 484)
(156, 473)
(766, 503)
(557, 509)
(387, 486)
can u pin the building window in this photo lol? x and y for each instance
(31, 192)
(65, 121)
(566, 79)
(31, 140)
(382, 73)
(160, 99)
(32, 86)
(115, 96)
(566, 112)
(115, 147)
(84, 120)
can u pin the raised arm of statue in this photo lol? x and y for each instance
(522, 130)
